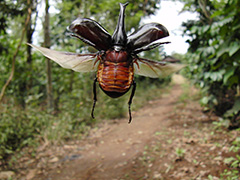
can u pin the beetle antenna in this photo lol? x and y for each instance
(119, 36)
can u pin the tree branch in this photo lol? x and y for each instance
(16, 53)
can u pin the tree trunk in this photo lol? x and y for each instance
(50, 102)
(29, 33)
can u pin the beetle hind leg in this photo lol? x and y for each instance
(94, 97)
(130, 102)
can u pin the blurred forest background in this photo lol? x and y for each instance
(40, 101)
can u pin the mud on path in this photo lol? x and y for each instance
(170, 138)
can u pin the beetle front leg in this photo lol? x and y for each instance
(94, 96)
(130, 101)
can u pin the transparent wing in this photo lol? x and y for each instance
(74, 61)
(155, 69)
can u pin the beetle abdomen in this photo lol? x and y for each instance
(115, 79)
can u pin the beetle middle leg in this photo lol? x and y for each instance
(94, 96)
(130, 102)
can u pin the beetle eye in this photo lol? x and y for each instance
(146, 34)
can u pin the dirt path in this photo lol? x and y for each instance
(109, 149)
(167, 139)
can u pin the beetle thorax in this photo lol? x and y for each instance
(116, 55)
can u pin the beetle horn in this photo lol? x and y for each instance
(119, 36)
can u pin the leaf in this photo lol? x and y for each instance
(223, 48)
(235, 28)
(206, 75)
(216, 14)
(233, 80)
(234, 47)
(205, 100)
(229, 160)
(216, 76)
(205, 29)
(194, 29)
(225, 21)
(228, 74)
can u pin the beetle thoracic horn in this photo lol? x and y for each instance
(119, 36)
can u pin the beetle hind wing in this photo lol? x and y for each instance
(155, 69)
(68, 60)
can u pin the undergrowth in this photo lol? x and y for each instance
(33, 125)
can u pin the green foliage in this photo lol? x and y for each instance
(214, 54)
(9, 9)
(214, 59)
(26, 128)
(233, 162)
(180, 152)
(17, 130)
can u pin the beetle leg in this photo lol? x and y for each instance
(94, 97)
(130, 101)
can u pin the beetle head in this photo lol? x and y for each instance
(119, 36)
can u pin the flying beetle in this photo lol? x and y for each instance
(116, 61)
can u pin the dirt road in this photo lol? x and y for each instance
(170, 138)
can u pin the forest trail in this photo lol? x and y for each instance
(169, 138)
(108, 151)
